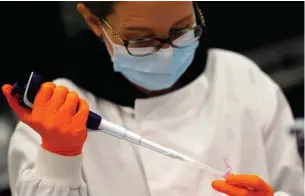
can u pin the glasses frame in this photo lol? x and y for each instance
(162, 41)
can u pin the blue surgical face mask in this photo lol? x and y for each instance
(158, 71)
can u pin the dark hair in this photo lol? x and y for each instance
(100, 9)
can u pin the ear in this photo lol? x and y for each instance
(93, 22)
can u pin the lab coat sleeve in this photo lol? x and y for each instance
(284, 162)
(34, 171)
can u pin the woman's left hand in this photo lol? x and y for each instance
(243, 185)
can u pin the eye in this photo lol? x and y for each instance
(136, 35)
(176, 30)
(142, 43)
(132, 36)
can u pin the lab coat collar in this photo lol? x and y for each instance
(175, 105)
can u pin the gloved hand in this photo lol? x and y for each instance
(55, 118)
(243, 185)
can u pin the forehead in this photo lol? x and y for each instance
(152, 11)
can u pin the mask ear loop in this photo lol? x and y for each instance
(109, 40)
(106, 35)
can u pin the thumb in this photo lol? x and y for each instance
(22, 113)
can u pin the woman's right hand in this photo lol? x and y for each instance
(58, 116)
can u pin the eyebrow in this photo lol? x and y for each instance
(138, 28)
(184, 19)
(135, 28)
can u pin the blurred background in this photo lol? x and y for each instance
(33, 36)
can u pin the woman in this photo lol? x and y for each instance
(210, 105)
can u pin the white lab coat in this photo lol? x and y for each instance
(233, 111)
(6, 129)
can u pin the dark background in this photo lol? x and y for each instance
(33, 36)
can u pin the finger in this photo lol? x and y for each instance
(44, 94)
(223, 187)
(58, 98)
(252, 181)
(70, 106)
(83, 111)
(22, 113)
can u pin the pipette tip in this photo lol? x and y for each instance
(201, 166)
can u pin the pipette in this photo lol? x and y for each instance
(28, 91)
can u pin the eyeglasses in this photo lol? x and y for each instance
(148, 46)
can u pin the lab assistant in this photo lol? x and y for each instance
(232, 110)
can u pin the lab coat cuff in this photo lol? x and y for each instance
(280, 193)
(63, 170)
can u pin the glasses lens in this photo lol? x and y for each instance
(143, 47)
(187, 37)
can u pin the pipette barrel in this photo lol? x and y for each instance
(27, 93)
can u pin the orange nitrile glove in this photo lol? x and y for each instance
(55, 118)
(243, 185)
